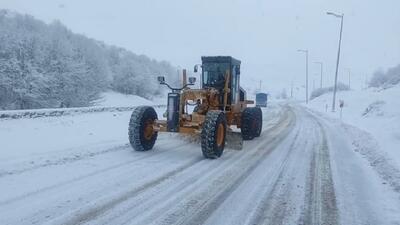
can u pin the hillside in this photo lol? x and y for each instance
(48, 66)
(374, 110)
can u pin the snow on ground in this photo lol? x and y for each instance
(306, 168)
(28, 143)
(114, 99)
(372, 110)
(109, 102)
(32, 138)
(80, 169)
(371, 122)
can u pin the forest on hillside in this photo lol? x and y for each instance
(48, 66)
(385, 79)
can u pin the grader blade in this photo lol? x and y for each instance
(234, 140)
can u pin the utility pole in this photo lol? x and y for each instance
(313, 84)
(178, 73)
(260, 85)
(338, 57)
(348, 70)
(291, 89)
(306, 52)
(321, 65)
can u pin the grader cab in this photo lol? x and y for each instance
(210, 111)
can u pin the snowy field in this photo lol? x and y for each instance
(375, 111)
(47, 133)
(80, 169)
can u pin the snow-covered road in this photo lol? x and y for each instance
(302, 170)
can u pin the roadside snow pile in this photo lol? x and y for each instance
(114, 99)
(365, 144)
(109, 102)
(320, 91)
(38, 113)
(376, 111)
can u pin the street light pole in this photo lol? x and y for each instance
(291, 89)
(306, 52)
(338, 57)
(348, 70)
(322, 65)
(313, 84)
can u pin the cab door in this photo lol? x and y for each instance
(235, 84)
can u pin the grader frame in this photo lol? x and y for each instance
(220, 103)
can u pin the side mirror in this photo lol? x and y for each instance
(161, 79)
(196, 68)
(192, 80)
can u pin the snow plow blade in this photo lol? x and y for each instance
(234, 140)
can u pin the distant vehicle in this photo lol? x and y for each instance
(261, 99)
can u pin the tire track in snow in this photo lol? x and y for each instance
(273, 206)
(201, 205)
(179, 190)
(63, 160)
(166, 194)
(283, 203)
(87, 214)
(66, 159)
(98, 210)
(95, 212)
(320, 203)
(89, 175)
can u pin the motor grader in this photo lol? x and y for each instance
(211, 111)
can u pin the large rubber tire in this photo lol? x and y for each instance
(140, 123)
(251, 123)
(247, 122)
(212, 135)
(259, 121)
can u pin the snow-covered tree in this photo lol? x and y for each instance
(382, 79)
(46, 65)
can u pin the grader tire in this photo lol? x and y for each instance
(259, 121)
(251, 123)
(213, 135)
(248, 117)
(141, 134)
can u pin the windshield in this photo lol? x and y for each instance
(214, 74)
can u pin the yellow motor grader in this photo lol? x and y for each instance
(211, 111)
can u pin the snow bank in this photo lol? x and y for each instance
(320, 91)
(114, 99)
(375, 111)
(19, 114)
(77, 135)
(109, 102)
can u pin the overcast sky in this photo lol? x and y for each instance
(263, 34)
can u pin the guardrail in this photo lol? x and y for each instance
(39, 113)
